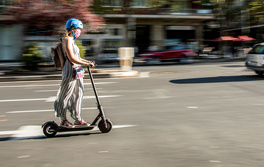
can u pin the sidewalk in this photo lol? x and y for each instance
(13, 72)
(9, 71)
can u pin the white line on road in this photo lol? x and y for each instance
(7, 132)
(47, 110)
(19, 100)
(26, 86)
(35, 131)
(52, 98)
(56, 90)
(85, 80)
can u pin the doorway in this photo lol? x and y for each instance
(142, 40)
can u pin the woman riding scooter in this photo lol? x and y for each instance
(70, 95)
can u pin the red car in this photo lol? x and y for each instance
(171, 53)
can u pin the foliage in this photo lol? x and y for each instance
(43, 13)
(255, 8)
(32, 57)
(81, 48)
(158, 3)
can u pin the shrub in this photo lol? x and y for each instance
(81, 47)
(32, 57)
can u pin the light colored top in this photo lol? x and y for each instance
(74, 48)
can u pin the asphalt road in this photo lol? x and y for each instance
(192, 115)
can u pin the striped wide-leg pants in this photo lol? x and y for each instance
(70, 95)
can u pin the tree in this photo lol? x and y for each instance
(255, 8)
(39, 14)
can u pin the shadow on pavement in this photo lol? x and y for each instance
(62, 135)
(219, 79)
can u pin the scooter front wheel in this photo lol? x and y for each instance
(105, 128)
(49, 129)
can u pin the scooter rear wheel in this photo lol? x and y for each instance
(49, 130)
(107, 128)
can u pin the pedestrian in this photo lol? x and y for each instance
(70, 94)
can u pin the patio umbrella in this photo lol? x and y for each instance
(224, 38)
(246, 38)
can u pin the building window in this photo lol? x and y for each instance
(4, 3)
(140, 3)
(115, 31)
(112, 3)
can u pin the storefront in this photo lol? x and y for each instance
(180, 33)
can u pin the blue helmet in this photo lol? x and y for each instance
(75, 23)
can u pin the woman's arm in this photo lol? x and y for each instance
(87, 61)
(70, 53)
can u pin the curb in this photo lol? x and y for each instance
(104, 74)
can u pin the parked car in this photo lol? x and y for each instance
(255, 59)
(170, 53)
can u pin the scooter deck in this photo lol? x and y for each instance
(78, 128)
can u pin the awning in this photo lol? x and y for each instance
(224, 38)
(245, 38)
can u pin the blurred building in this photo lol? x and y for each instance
(141, 24)
(11, 42)
(137, 23)
(244, 17)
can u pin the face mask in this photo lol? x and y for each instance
(77, 33)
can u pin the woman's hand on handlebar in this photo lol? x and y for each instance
(90, 64)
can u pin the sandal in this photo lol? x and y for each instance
(66, 124)
(81, 123)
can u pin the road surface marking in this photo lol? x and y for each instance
(40, 91)
(215, 161)
(86, 80)
(52, 98)
(25, 86)
(23, 156)
(56, 90)
(3, 120)
(144, 74)
(47, 110)
(20, 100)
(192, 107)
(35, 131)
(7, 132)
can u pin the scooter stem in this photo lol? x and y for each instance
(99, 106)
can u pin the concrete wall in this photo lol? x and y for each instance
(11, 42)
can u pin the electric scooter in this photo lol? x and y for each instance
(50, 128)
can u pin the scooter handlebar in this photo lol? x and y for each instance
(91, 65)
